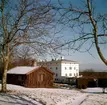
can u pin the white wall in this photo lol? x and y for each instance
(56, 68)
(69, 69)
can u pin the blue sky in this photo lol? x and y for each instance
(85, 58)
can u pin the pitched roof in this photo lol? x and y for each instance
(21, 70)
(66, 60)
(59, 60)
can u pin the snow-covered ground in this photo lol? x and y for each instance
(49, 96)
(95, 97)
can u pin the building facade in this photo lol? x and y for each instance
(63, 69)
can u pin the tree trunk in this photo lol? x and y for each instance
(4, 75)
(5, 64)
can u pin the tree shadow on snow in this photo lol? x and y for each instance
(11, 99)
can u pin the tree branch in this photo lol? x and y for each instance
(95, 33)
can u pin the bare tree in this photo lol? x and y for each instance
(23, 22)
(21, 57)
(89, 25)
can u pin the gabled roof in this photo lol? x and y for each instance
(47, 69)
(21, 70)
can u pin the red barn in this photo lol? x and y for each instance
(32, 77)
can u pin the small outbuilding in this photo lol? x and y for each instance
(84, 82)
(92, 79)
(32, 77)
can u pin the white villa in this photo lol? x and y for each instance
(63, 69)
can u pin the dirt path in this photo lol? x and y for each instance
(95, 99)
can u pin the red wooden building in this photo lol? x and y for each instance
(32, 77)
(90, 79)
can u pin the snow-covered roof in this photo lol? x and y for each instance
(21, 70)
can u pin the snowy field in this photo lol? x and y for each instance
(48, 96)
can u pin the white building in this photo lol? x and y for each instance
(62, 68)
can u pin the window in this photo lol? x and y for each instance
(41, 77)
(76, 74)
(74, 68)
(65, 74)
(65, 68)
(70, 74)
(56, 79)
(56, 68)
(56, 74)
(70, 68)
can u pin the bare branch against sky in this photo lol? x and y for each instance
(86, 22)
(25, 23)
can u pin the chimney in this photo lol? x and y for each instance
(62, 57)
